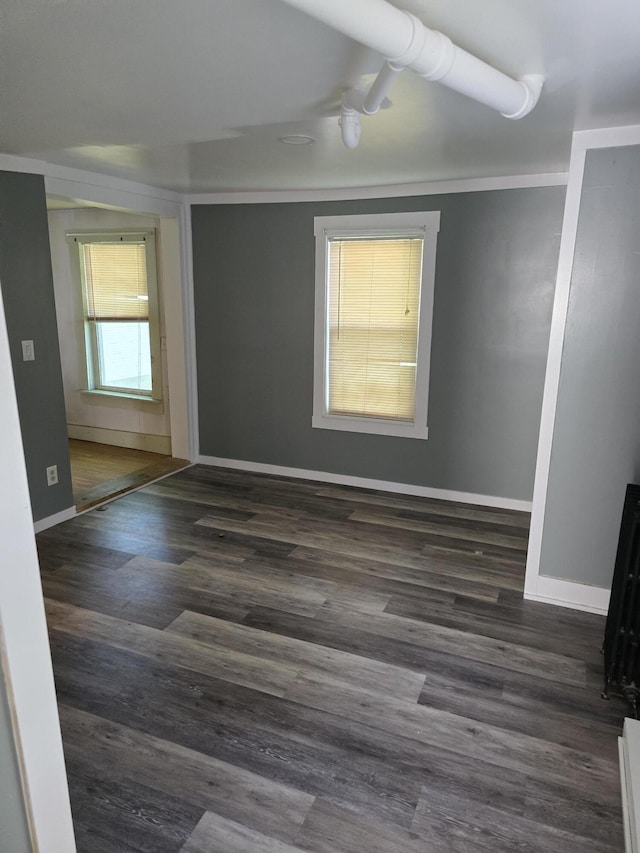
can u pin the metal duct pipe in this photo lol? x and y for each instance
(406, 43)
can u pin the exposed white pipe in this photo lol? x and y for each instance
(355, 101)
(405, 42)
(375, 23)
(379, 88)
(349, 122)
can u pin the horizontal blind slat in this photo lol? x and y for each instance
(116, 281)
(374, 302)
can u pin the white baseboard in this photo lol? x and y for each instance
(578, 596)
(626, 813)
(629, 752)
(121, 438)
(52, 520)
(366, 483)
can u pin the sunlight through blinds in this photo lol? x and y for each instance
(116, 281)
(373, 313)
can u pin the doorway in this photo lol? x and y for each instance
(119, 439)
(102, 472)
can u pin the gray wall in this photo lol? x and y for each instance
(254, 291)
(27, 292)
(596, 441)
(14, 830)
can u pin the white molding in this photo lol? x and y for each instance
(554, 363)
(577, 596)
(13, 163)
(136, 197)
(120, 400)
(172, 290)
(103, 189)
(189, 313)
(121, 438)
(106, 190)
(61, 178)
(607, 137)
(141, 198)
(26, 657)
(52, 520)
(422, 224)
(462, 185)
(537, 586)
(366, 425)
(626, 815)
(366, 483)
(629, 755)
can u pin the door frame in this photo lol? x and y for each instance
(24, 644)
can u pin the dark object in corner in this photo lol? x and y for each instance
(622, 631)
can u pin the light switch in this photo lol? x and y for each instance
(28, 352)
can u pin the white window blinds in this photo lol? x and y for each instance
(116, 281)
(373, 318)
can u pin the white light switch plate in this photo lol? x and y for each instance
(28, 352)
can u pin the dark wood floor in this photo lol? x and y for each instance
(250, 664)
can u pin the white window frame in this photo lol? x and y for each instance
(76, 239)
(423, 223)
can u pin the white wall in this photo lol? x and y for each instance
(14, 826)
(589, 447)
(596, 440)
(82, 409)
(24, 644)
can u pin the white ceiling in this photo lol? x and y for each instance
(193, 95)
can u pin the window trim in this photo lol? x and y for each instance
(90, 370)
(426, 223)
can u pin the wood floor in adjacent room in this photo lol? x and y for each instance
(250, 664)
(100, 472)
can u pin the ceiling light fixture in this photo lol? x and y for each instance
(296, 139)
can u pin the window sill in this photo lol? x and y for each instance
(374, 426)
(123, 400)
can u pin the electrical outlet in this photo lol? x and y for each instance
(52, 475)
(28, 352)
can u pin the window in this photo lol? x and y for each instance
(120, 299)
(374, 306)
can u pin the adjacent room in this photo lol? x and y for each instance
(114, 359)
(319, 367)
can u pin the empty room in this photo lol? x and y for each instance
(320, 429)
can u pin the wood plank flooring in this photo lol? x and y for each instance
(251, 664)
(101, 471)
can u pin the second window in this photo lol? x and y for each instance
(374, 303)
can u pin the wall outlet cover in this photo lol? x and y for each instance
(28, 351)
